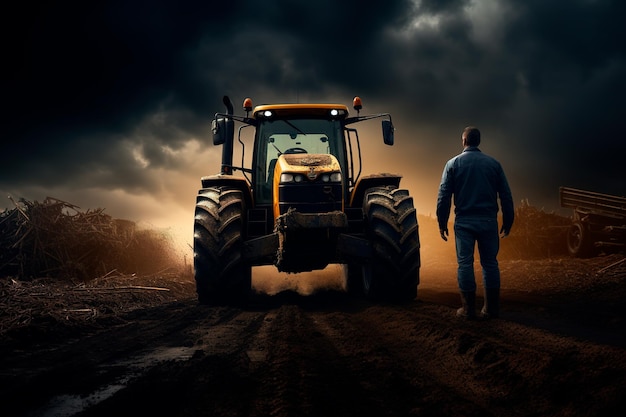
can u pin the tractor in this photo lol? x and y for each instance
(302, 205)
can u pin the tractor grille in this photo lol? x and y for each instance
(310, 197)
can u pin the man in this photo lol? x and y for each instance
(477, 181)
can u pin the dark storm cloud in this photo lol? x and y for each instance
(573, 61)
(105, 92)
(94, 71)
(548, 77)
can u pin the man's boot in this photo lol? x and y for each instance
(468, 311)
(491, 309)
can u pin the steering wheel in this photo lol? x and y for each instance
(296, 150)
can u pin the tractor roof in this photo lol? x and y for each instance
(303, 110)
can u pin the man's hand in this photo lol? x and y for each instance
(444, 234)
(504, 232)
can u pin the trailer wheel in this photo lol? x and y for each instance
(221, 275)
(391, 226)
(579, 243)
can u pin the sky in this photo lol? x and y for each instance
(108, 104)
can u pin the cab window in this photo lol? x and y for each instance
(277, 137)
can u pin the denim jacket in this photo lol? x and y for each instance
(476, 180)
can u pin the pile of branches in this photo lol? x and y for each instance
(56, 239)
(535, 234)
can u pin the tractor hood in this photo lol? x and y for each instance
(307, 172)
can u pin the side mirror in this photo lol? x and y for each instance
(388, 132)
(222, 129)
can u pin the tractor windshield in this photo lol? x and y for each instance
(282, 136)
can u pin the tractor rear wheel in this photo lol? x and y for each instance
(391, 227)
(222, 276)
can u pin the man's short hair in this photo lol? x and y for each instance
(472, 135)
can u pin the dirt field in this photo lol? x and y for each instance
(120, 345)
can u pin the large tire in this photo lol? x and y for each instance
(391, 226)
(579, 242)
(222, 277)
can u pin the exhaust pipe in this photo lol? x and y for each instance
(227, 148)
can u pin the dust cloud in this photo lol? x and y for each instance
(268, 280)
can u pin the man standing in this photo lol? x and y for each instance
(477, 181)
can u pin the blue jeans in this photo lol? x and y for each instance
(468, 232)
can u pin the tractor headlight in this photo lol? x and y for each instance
(332, 177)
(286, 177)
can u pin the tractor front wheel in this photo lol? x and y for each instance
(391, 226)
(222, 276)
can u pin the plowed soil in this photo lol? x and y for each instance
(128, 346)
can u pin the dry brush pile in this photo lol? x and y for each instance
(57, 239)
(536, 234)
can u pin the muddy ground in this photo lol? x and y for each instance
(128, 346)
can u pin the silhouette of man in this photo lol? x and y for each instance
(476, 181)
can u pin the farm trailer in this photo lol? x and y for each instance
(599, 221)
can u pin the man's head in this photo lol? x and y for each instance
(471, 136)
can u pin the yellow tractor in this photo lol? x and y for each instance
(303, 205)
